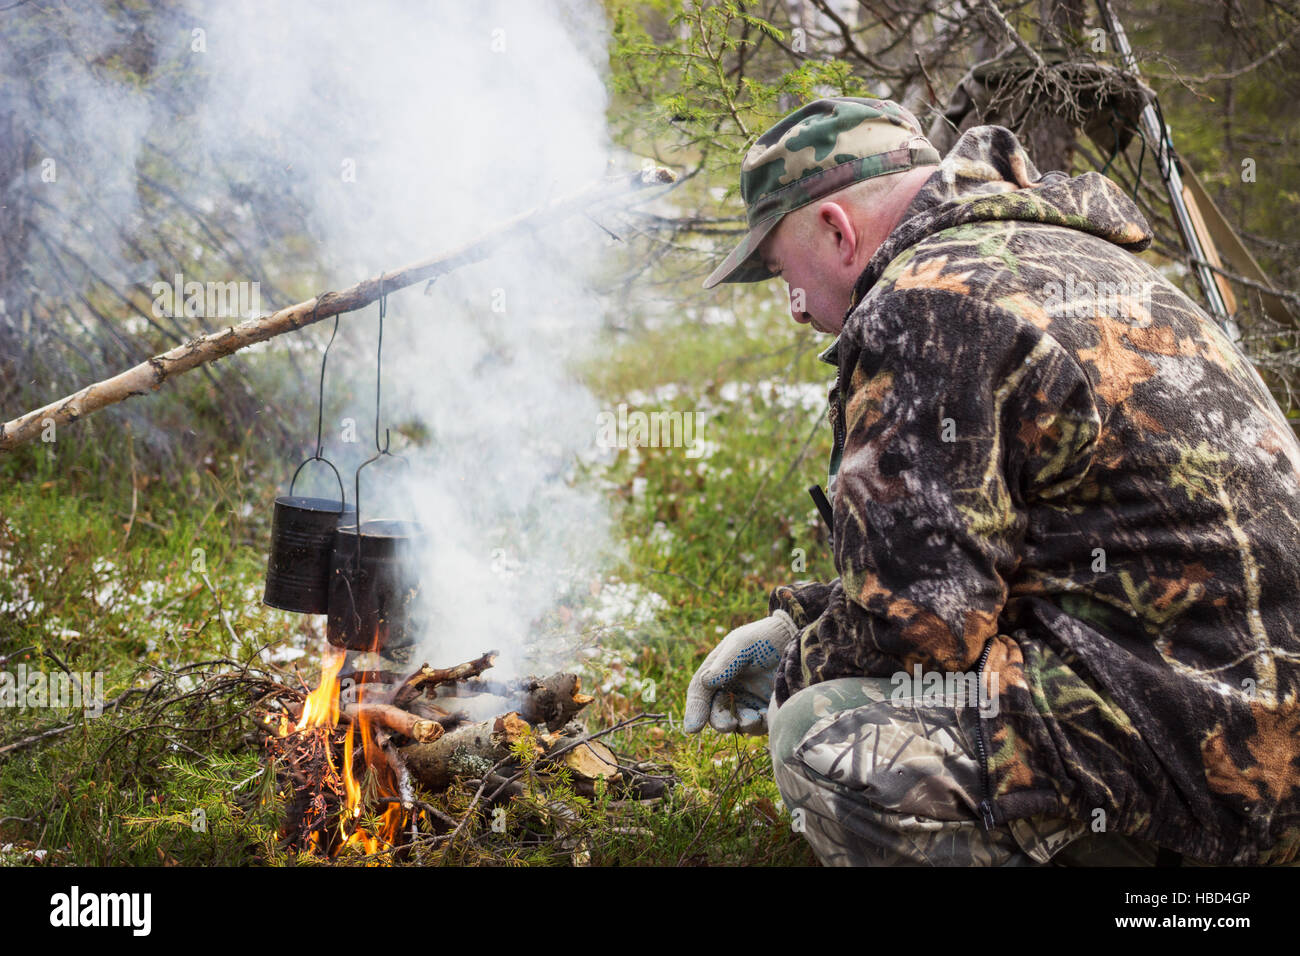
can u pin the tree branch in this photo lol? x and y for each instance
(152, 373)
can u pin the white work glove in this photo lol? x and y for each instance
(732, 688)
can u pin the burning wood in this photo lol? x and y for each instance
(552, 701)
(418, 733)
(428, 678)
(471, 750)
(475, 749)
(396, 719)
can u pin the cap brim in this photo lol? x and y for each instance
(743, 264)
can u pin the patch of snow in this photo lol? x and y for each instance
(10, 850)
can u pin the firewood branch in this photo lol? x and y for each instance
(394, 718)
(552, 700)
(427, 678)
(150, 374)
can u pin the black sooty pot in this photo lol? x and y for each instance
(373, 586)
(303, 532)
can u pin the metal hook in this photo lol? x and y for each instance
(380, 450)
(320, 399)
(379, 362)
(320, 414)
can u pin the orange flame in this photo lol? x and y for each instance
(391, 821)
(321, 709)
(373, 758)
(359, 836)
(322, 705)
(349, 781)
(277, 723)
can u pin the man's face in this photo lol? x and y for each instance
(821, 249)
(809, 257)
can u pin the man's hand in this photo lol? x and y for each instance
(734, 684)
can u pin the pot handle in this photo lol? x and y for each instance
(356, 479)
(337, 477)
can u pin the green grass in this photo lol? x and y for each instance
(87, 585)
(99, 590)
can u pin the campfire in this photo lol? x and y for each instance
(369, 736)
(368, 739)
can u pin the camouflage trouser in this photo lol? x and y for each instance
(872, 781)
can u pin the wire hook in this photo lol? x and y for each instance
(380, 450)
(379, 367)
(320, 415)
(320, 398)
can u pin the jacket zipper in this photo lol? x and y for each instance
(837, 453)
(986, 804)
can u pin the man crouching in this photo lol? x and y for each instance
(1051, 475)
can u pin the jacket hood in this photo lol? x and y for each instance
(988, 176)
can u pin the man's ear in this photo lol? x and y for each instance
(836, 218)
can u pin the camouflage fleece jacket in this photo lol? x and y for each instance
(1054, 468)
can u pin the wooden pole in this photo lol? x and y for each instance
(152, 373)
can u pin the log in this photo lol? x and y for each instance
(396, 719)
(477, 748)
(150, 375)
(422, 707)
(552, 700)
(590, 760)
(482, 744)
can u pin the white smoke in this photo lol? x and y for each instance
(404, 129)
(428, 124)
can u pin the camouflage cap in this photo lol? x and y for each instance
(821, 148)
